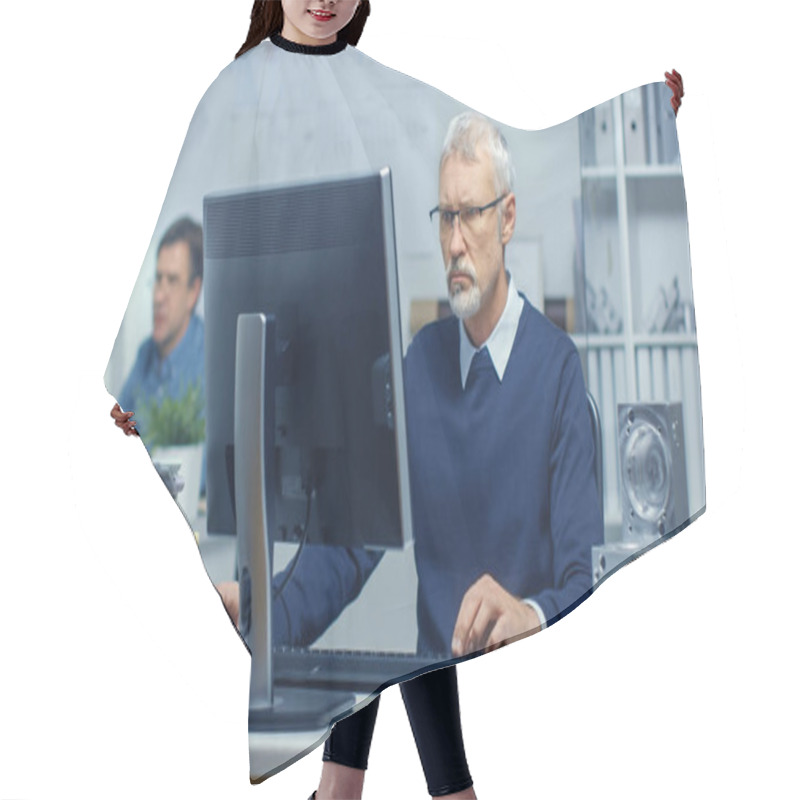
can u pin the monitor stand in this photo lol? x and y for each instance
(271, 708)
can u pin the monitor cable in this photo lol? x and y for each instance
(304, 538)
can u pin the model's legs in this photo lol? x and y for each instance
(433, 711)
(345, 755)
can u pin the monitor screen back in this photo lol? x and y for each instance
(320, 259)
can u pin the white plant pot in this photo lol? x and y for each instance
(190, 459)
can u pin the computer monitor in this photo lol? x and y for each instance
(318, 260)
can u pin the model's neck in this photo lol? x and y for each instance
(314, 49)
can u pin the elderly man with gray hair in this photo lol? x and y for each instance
(501, 455)
(513, 382)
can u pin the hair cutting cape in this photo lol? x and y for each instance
(586, 453)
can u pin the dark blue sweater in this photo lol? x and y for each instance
(501, 480)
(501, 474)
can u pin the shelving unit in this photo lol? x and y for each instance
(635, 250)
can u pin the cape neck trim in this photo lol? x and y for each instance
(306, 49)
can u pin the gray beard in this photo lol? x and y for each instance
(464, 303)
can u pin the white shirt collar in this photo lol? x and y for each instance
(501, 339)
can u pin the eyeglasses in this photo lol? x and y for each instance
(444, 219)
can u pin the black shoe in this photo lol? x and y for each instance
(313, 795)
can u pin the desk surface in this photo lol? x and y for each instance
(271, 751)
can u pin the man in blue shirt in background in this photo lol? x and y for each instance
(171, 360)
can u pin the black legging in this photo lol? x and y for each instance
(432, 707)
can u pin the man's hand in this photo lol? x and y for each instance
(124, 420)
(488, 616)
(229, 592)
(675, 82)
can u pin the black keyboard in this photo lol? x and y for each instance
(355, 670)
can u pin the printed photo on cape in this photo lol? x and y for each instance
(392, 486)
(122, 673)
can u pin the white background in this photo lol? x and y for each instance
(120, 675)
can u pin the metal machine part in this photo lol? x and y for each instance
(654, 495)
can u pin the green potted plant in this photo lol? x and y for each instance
(174, 432)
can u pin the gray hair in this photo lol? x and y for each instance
(470, 130)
